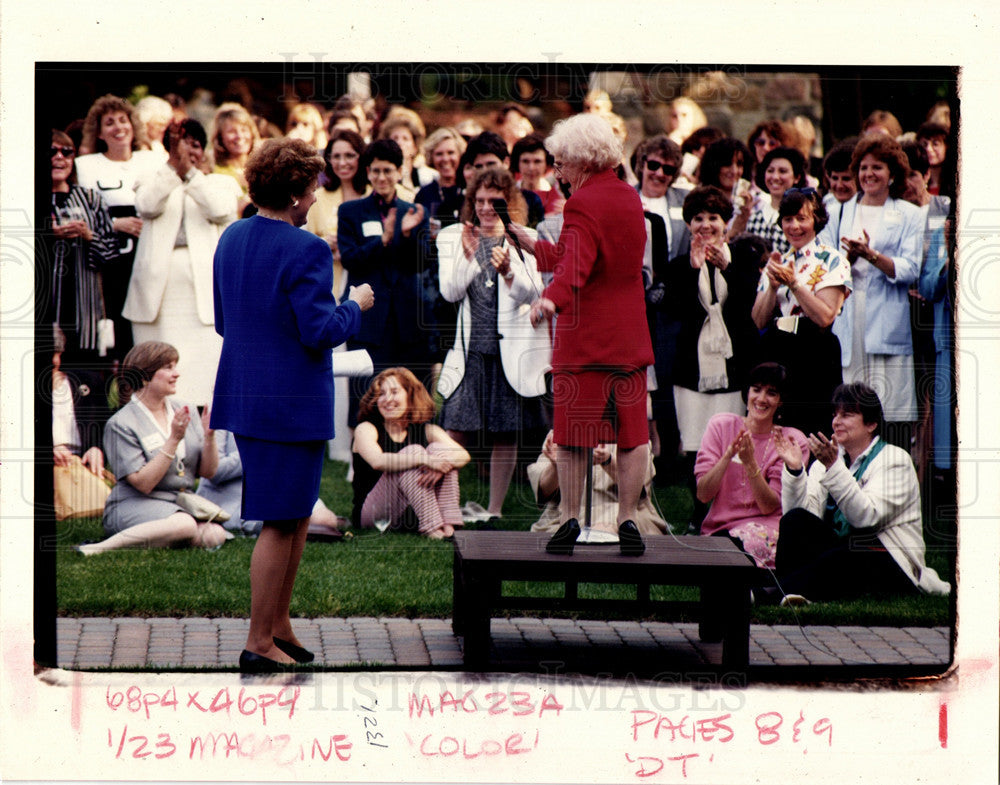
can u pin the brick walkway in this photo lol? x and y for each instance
(520, 643)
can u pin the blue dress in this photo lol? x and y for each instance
(279, 320)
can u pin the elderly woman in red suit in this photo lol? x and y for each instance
(601, 346)
(279, 320)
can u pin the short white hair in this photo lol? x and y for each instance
(587, 140)
(152, 107)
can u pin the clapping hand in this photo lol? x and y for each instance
(824, 449)
(180, 424)
(787, 450)
(500, 259)
(857, 249)
(779, 274)
(413, 218)
(470, 240)
(362, 295)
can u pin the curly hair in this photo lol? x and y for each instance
(230, 112)
(497, 179)
(141, 364)
(586, 140)
(889, 152)
(707, 199)
(721, 154)
(360, 180)
(420, 405)
(92, 123)
(280, 170)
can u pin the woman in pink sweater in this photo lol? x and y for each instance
(738, 470)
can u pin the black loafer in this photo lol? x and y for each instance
(629, 540)
(297, 653)
(562, 542)
(251, 662)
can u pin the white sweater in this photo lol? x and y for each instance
(886, 498)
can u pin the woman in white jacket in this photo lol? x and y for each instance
(852, 524)
(170, 294)
(493, 380)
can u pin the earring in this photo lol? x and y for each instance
(295, 202)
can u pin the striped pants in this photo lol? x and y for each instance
(395, 491)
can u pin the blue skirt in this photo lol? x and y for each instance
(280, 479)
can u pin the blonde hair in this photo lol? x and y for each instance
(230, 112)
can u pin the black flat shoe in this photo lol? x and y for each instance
(297, 653)
(562, 542)
(251, 662)
(629, 540)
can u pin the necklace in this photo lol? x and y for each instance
(745, 480)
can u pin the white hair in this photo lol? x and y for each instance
(587, 140)
(152, 107)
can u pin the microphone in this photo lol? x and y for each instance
(500, 208)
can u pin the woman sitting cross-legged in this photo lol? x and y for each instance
(156, 446)
(852, 523)
(738, 469)
(402, 460)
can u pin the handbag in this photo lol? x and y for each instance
(78, 492)
(105, 331)
(201, 509)
(453, 367)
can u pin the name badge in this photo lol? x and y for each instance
(676, 213)
(371, 228)
(788, 324)
(152, 442)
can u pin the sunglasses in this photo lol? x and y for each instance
(67, 152)
(655, 166)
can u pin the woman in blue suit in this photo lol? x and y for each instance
(278, 318)
(882, 236)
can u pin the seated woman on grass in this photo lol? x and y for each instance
(402, 460)
(738, 469)
(853, 522)
(156, 446)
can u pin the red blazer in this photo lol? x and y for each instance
(597, 285)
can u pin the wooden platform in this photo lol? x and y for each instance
(721, 571)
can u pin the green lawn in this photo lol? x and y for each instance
(396, 574)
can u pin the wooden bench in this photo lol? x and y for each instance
(722, 572)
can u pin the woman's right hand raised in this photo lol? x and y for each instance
(180, 424)
(362, 295)
(470, 240)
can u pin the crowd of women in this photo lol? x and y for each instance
(768, 279)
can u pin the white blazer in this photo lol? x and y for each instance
(206, 204)
(525, 351)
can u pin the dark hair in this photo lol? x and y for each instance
(661, 145)
(420, 405)
(701, 137)
(707, 199)
(280, 170)
(769, 373)
(888, 152)
(188, 128)
(500, 180)
(772, 128)
(140, 365)
(382, 150)
(839, 157)
(916, 157)
(487, 143)
(858, 397)
(531, 143)
(720, 154)
(932, 131)
(464, 160)
(795, 198)
(360, 180)
(63, 140)
(790, 154)
(337, 116)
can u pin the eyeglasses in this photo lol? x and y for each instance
(655, 166)
(67, 152)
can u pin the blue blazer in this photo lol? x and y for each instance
(887, 308)
(278, 318)
(393, 271)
